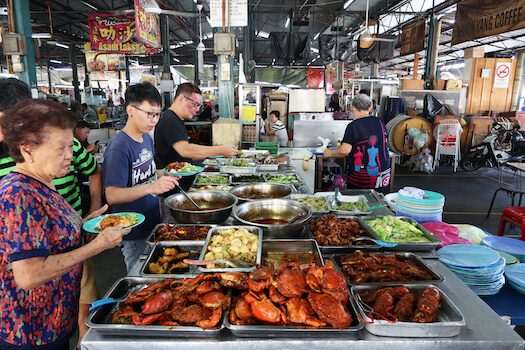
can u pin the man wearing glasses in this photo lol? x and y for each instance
(130, 176)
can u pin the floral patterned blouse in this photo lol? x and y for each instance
(36, 222)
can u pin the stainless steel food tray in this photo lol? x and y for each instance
(239, 170)
(271, 331)
(203, 176)
(450, 319)
(235, 179)
(329, 249)
(343, 198)
(403, 256)
(296, 196)
(150, 240)
(291, 246)
(100, 319)
(267, 167)
(296, 185)
(216, 230)
(409, 246)
(194, 247)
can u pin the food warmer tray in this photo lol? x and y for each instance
(272, 331)
(201, 175)
(267, 167)
(235, 180)
(291, 246)
(409, 246)
(450, 319)
(239, 170)
(216, 230)
(336, 249)
(151, 237)
(100, 319)
(315, 212)
(368, 200)
(182, 246)
(336, 259)
(296, 185)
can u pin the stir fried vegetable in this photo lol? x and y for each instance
(390, 229)
(284, 179)
(351, 206)
(314, 202)
(212, 179)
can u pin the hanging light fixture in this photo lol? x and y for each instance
(200, 47)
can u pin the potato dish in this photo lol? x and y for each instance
(237, 244)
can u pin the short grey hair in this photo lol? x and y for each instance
(362, 102)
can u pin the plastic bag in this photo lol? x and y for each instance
(472, 233)
(431, 108)
(448, 234)
(338, 182)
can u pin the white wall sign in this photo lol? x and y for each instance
(502, 75)
(238, 13)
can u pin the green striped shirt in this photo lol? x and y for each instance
(68, 186)
(83, 162)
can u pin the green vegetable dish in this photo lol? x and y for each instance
(212, 179)
(351, 206)
(284, 179)
(314, 202)
(390, 229)
(240, 162)
(188, 168)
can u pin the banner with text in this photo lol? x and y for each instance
(413, 38)
(112, 33)
(480, 18)
(147, 29)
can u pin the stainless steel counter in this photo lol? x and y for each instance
(484, 330)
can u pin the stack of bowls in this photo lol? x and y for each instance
(427, 209)
(481, 268)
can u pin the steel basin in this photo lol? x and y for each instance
(214, 216)
(264, 189)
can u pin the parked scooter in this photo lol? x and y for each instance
(499, 146)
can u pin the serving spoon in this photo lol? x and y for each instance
(230, 262)
(189, 198)
(376, 241)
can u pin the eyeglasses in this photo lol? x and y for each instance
(195, 103)
(150, 115)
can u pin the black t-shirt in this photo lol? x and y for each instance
(169, 130)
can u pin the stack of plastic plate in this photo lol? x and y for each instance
(481, 268)
(508, 245)
(516, 277)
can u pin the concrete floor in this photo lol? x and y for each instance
(467, 199)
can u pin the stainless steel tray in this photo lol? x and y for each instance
(194, 247)
(270, 175)
(296, 196)
(267, 167)
(237, 179)
(100, 319)
(239, 170)
(343, 198)
(203, 177)
(151, 238)
(328, 249)
(271, 249)
(336, 259)
(217, 230)
(410, 246)
(450, 319)
(270, 331)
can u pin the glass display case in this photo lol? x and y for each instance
(250, 112)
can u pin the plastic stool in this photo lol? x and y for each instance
(514, 216)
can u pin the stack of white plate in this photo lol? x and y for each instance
(516, 277)
(480, 267)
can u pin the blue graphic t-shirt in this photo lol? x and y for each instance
(128, 163)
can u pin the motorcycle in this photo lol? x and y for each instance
(500, 145)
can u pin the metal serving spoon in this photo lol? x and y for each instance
(230, 262)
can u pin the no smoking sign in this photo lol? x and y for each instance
(502, 77)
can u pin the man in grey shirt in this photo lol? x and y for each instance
(89, 113)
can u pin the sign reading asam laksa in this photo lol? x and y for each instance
(112, 33)
(146, 26)
(480, 18)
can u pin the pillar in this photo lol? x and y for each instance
(23, 26)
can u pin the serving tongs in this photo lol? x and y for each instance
(188, 197)
(230, 262)
(369, 312)
(106, 301)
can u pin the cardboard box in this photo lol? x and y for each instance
(474, 52)
(412, 84)
(438, 84)
(453, 84)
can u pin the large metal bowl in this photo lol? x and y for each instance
(261, 191)
(282, 209)
(178, 204)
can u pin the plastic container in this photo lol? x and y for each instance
(273, 147)
(420, 218)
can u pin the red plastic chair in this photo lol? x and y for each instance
(514, 216)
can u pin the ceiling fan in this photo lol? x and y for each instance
(151, 7)
(367, 37)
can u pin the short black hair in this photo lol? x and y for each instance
(141, 92)
(84, 105)
(81, 124)
(276, 113)
(12, 91)
(186, 89)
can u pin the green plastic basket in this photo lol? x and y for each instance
(273, 147)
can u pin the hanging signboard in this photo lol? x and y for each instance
(102, 62)
(147, 29)
(149, 78)
(413, 38)
(502, 74)
(115, 33)
(480, 18)
(235, 16)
